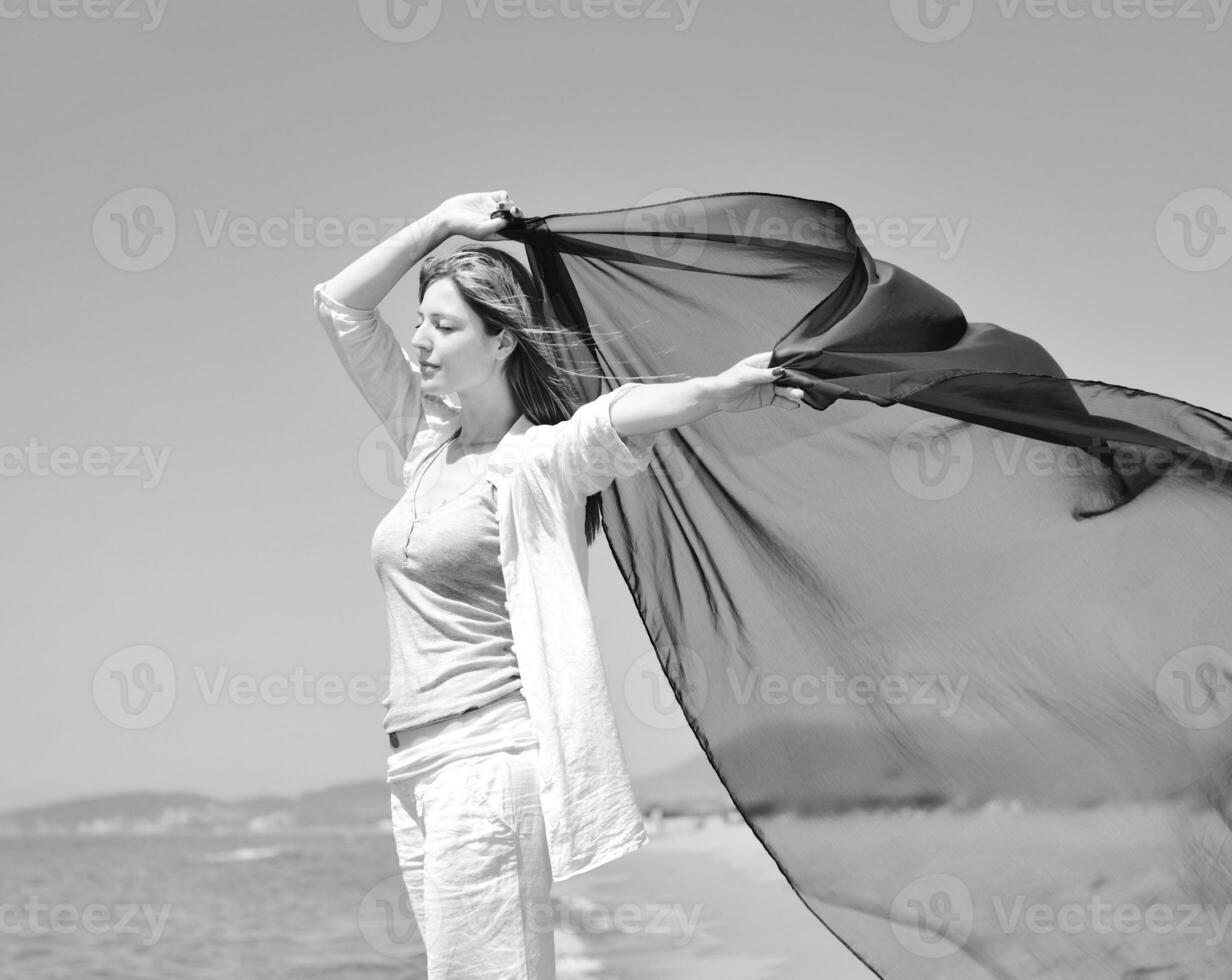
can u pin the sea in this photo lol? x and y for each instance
(303, 904)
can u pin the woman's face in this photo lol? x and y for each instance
(451, 336)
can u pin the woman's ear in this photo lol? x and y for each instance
(507, 343)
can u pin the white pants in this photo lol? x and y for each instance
(472, 846)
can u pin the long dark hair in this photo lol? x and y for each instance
(502, 293)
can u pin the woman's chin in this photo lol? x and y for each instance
(432, 386)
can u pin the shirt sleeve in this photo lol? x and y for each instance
(382, 371)
(586, 453)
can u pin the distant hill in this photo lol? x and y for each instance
(849, 770)
(351, 806)
(691, 788)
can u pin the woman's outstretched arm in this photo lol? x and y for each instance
(614, 435)
(747, 384)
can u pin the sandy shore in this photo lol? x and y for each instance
(696, 903)
(703, 902)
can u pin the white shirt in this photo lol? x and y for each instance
(543, 474)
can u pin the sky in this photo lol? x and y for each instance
(189, 491)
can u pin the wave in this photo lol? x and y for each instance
(247, 854)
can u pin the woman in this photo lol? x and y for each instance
(505, 771)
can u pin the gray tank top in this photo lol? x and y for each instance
(451, 645)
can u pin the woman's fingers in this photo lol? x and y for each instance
(502, 203)
(506, 212)
(792, 398)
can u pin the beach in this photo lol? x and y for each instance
(708, 900)
(702, 900)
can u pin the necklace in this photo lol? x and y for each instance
(421, 471)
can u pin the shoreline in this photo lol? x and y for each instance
(695, 903)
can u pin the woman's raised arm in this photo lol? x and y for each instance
(381, 369)
(345, 305)
(368, 280)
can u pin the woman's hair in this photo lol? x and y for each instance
(501, 291)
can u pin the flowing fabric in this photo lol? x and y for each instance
(955, 634)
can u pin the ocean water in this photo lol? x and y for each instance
(302, 905)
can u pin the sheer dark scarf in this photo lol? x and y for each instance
(955, 636)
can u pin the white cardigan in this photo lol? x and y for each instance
(542, 474)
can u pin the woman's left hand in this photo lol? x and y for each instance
(750, 384)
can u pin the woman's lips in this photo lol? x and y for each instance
(428, 368)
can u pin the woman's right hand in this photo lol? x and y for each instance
(469, 214)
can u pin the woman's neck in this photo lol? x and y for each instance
(467, 444)
(486, 416)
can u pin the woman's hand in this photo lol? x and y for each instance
(470, 214)
(749, 384)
